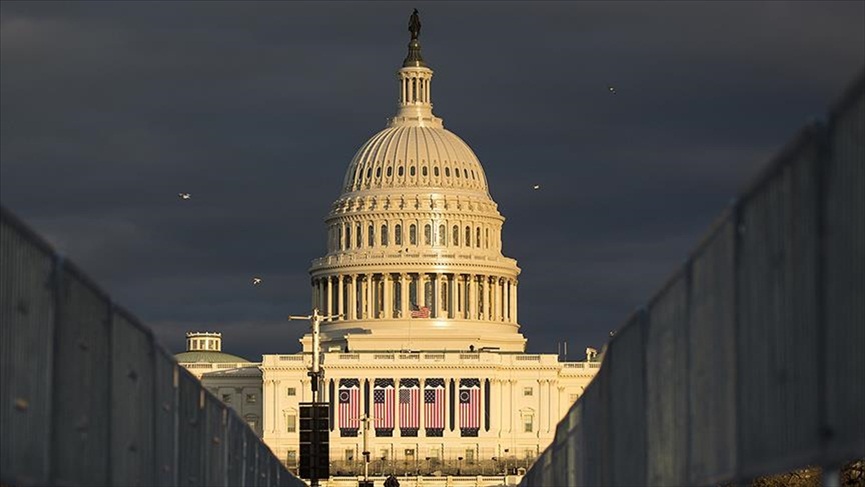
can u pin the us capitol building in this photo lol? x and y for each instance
(428, 344)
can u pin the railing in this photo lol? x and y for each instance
(88, 397)
(749, 360)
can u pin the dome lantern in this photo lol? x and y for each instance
(415, 96)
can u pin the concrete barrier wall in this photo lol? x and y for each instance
(749, 360)
(88, 397)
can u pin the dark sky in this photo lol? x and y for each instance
(110, 109)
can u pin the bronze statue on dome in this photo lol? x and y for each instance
(414, 25)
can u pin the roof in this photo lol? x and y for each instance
(208, 357)
(253, 371)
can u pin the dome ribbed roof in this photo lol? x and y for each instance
(199, 356)
(413, 156)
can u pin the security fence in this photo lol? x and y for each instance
(88, 397)
(749, 361)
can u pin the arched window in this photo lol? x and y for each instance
(447, 172)
(384, 235)
(442, 235)
(359, 236)
(423, 171)
(348, 236)
(412, 234)
(370, 236)
(427, 234)
(487, 238)
(466, 173)
(468, 237)
(436, 171)
(339, 233)
(457, 172)
(400, 171)
(378, 172)
(411, 171)
(389, 171)
(478, 237)
(397, 234)
(456, 236)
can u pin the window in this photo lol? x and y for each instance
(226, 398)
(448, 172)
(487, 238)
(348, 454)
(424, 171)
(528, 423)
(252, 421)
(468, 242)
(397, 234)
(292, 458)
(478, 237)
(389, 171)
(368, 173)
(411, 171)
(348, 236)
(457, 172)
(340, 245)
(370, 239)
(250, 398)
(412, 234)
(378, 172)
(427, 234)
(466, 173)
(383, 453)
(409, 453)
(384, 235)
(291, 422)
(456, 236)
(470, 456)
(436, 171)
(400, 171)
(442, 235)
(292, 391)
(359, 237)
(528, 391)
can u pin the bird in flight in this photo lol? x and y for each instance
(536, 187)
(256, 281)
(184, 196)
(611, 89)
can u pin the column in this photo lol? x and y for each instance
(352, 298)
(329, 300)
(403, 304)
(497, 304)
(340, 298)
(514, 304)
(511, 401)
(486, 297)
(511, 301)
(473, 297)
(543, 403)
(387, 304)
(452, 309)
(437, 295)
(497, 408)
(314, 286)
(421, 295)
(367, 298)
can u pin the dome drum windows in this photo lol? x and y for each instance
(359, 235)
(384, 235)
(370, 236)
(348, 237)
(423, 171)
(427, 234)
(397, 234)
(412, 234)
(400, 171)
(468, 240)
(456, 236)
(389, 171)
(411, 171)
(442, 236)
(478, 237)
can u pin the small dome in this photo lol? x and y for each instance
(415, 156)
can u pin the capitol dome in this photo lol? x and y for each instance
(414, 253)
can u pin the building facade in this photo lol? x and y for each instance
(423, 358)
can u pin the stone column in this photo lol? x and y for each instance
(387, 305)
(543, 405)
(314, 286)
(437, 295)
(352, 298)
(496, 406)
(368, 307)
(497, 300)
(403, 304)
(329, 300)
(421, 295)
(486, 297)
(473, 300)
(452, 308)
(515, 301)
(340, 297)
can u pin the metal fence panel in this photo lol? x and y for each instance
(191, 431)
(594, 431)
(215, 441)
(131, 403)
(80, 403)
(844, 285)
(236, 450)
(264, 457)
(251, 477)
(777, 317)
(627, 426)
(165, 418)
(26, 352)
(666, 385)
(575, 445)
(712, 348)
